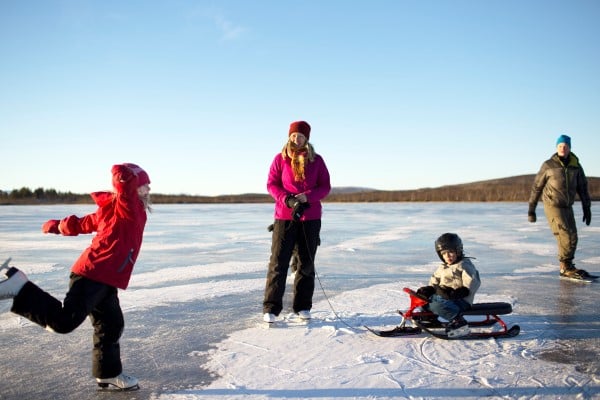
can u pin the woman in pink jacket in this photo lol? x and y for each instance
(102, 268)
(298, 181)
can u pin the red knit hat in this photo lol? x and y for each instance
(301, 127)
(143, 178)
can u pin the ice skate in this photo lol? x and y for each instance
(120, 382)
(570, 272)
(304, 315)
(11, 286)
(269, 318)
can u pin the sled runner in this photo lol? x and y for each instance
(428, 321)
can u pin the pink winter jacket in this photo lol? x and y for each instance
(119, 224)
(281, 183)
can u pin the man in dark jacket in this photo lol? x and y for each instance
(560, 178)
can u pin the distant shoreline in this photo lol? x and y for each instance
(512, 189)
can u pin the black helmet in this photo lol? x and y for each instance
(449, 241)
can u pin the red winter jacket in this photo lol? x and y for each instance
(119, 224)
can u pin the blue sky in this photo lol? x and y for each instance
(400, 94)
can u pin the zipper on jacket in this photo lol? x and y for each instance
(566, 169)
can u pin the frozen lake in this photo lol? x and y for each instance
(200, 277)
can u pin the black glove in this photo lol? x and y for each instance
(531, 217)
(298, 210)
(587, 215)
(452, 294)
(443, 291)
(290, 201)
(459, 293)
(426, 291)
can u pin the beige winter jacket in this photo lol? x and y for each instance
(461, 274)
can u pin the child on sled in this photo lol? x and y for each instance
(453, 285)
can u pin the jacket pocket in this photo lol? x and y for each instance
(128, 260)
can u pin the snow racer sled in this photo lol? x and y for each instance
(427, 321)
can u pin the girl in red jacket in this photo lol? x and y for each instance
(102, 268)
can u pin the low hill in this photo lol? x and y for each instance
(516, 188)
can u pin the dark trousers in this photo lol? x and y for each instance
(447, 309)
(286, 234)
(84, 298)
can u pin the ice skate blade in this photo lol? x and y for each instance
(578, 280)
(109, 387)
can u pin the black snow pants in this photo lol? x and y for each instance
(286, 234)
(84, 298)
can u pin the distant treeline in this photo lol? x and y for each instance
(513, 189)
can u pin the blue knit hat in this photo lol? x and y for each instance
(563, 139)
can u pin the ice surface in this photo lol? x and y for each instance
(193, 309)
